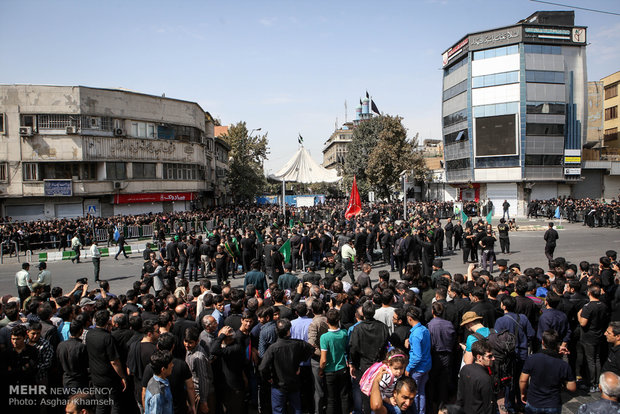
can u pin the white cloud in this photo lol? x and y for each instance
(268, 21)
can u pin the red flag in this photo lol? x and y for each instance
(355, 204)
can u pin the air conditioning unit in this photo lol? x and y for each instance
(118, 185)
(25, 131)
(72, 130)
(119, 132)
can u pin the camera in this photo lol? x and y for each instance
(82, 281)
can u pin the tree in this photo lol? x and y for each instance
(247, 154)
(379, 153)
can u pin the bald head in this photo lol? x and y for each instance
(610, 385)
(209, 323)
(181, 311)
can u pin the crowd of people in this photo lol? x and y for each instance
(315, 327)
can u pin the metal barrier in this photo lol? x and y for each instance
(28, 256)
(147, 230)
(101, 235)
(133, 232)
(3, 245)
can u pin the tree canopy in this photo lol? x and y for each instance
(247, 154)
(378, 153)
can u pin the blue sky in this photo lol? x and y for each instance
(284, 66)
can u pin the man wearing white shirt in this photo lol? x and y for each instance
(96, 255)
(23, 282)
(348, 256)
(45, 277)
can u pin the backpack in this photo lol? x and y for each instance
(503, 345)
(398, 248)
(370, 375)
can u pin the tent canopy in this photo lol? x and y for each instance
(301, 168)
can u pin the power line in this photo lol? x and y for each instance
(576, 7)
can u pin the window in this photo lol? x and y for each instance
(611, 134)
(495, 79)
(115, 171)
(457, 164)
(458, 136)
(496, 109)
(531, 159)
(183, 172)
(552, 108)
(28, 121)
(456, 66)
(144, 170)
(611, 113)
(455, 118)
(4, 171)
(455, 90)
(544, 129)
(543, 49)
(31, 171)
(496, 52)
(611, 91)
(1, 123)
(66, 171)
(544, 76)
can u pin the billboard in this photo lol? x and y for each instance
(495, 38)
(496, 135)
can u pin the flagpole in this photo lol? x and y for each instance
(284, 200)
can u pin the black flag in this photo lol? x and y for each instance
(300, 140)
(374, 108)
(367, 96)
(360, 102)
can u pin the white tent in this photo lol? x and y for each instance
(301, 168)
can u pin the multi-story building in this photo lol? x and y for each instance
(514, 110)
(594, 135)
(336, 147)
(68, 151)
(611, 103)
(221, 165)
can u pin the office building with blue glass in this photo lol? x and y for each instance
(514, 111)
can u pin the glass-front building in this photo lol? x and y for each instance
(514, 110)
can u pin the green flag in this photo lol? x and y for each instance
(291, 223)
(286, 251)
(259, 236)
(489, 216)
(463, 216)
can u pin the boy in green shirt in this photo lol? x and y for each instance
(333, 365)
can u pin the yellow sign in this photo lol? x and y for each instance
(572, 159)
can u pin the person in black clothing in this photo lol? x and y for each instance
(229, 348)
(182, 250)
(488, 254)
(248, 251)
(613, 338)
(449, 233)
(193, 258)
(295, 248)
(593, 318)
(73, 358)
(504, 239)
(280, 366)
(121, 246)
(475, 390)
(468, 246)
(482, 306)
(438, 236)
(106, 370)
(551, 236)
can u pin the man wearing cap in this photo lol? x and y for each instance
(23, 282)
(472, 322)
(45, 277)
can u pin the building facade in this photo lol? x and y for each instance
(514, 110)
(69, 151)
(336, 147)
(611, 103)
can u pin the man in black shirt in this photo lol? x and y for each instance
(504, 239)
(488, 254)
(475, 390)
(593, 318)
(613, 338)
(280, 366)
(106, 370)
(73, 358)
(550, 241)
